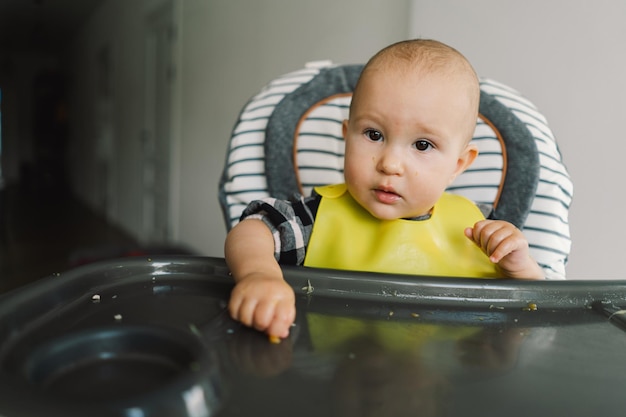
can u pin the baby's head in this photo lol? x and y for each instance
(424, 57)
(412, 116)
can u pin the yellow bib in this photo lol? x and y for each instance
(346, 236)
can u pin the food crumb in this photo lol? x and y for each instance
(617, 313)
(530, 307)
(194, 330)
(118, 317)
(274, 339)
(415, 315)
(95, 298)
(308, 288)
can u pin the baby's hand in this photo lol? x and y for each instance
(506, 246)
(265, 303)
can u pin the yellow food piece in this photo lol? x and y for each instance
(530, 307)
(274, 339)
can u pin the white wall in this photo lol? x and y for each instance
(567, 56)
(233, 48)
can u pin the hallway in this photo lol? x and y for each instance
(43, 233)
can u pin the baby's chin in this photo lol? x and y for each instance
(389, 213)
(386, 212)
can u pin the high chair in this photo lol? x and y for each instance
(288, 139)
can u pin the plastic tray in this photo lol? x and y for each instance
(144, 337)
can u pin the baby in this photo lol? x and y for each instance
(412, 116)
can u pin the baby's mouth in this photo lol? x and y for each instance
(386, 196)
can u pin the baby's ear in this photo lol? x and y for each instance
(466, 158)
(344, 128)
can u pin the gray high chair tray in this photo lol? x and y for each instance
(152, 337)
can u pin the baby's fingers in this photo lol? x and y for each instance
(500, 244)
(275, 317)
(283, 318)
(242, 310)
(506, 246)
(493, 237)
(481, 233)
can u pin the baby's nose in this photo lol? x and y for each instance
(390, 163)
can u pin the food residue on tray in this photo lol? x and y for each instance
(194, 330)
(274, 339)
(617, 313)
(308, 287)
(530, 307)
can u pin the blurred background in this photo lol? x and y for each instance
(115, 114)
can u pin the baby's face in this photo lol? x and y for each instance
(406, 141)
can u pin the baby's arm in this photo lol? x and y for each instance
(261, 298)
(506, 246)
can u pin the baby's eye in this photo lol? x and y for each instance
(374, 135)
(422, 145)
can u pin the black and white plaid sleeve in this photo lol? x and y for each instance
(290, 222)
